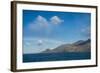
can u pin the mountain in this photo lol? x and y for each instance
(79, 46)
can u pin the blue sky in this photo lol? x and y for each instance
(48, 29)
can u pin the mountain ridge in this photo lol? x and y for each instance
(79, 46)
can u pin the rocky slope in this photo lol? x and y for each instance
(79, 46)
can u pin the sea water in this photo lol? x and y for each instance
(56, 56)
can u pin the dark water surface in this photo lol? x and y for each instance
(56, 56)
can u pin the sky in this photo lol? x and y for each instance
(49, 29)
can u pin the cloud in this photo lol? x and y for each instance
(86, 32)
(44, 26)
(27, 43)
(39, 23)
(56, 20)
(39, 42)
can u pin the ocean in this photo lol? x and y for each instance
(40, 57)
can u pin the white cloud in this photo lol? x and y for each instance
(56, 20)
(86, 31)
(39, 42)
(39, 23)
(27, 43)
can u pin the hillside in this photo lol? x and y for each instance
(79, 46)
